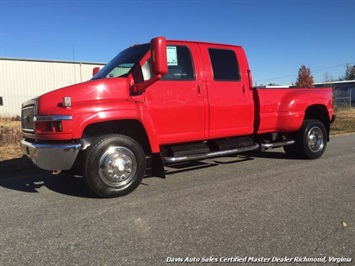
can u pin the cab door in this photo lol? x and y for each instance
(230, 99)
(176, 102)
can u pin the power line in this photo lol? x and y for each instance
(317, 70)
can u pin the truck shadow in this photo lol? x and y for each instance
(270, 154)
(197, 165)
(31, 179)
(32, 182)
(21, 174)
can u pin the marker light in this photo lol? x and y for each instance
(66, 101)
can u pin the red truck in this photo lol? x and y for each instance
(169, 102)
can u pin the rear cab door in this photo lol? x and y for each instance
(230, 101)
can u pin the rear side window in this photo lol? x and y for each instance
(179, 64)
(224, 64)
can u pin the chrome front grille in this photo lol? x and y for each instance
(27, 115)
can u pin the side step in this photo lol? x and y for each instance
(272, 145)
(213, 154)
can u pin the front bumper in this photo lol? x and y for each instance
(51, 156)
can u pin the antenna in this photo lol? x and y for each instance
(73, 53)
(74, 64)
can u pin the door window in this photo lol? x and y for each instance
(180, 65)
(224, 64)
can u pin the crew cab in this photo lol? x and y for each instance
(168, 102)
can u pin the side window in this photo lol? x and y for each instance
(224, 64)
(119, 71)
(179, 63)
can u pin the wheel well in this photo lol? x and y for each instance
(319, 112)
(131, 128)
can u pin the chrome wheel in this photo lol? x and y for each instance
(315, 139)
(117, 166)
(310, 140)
(114, 165)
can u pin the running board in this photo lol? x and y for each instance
(273, 145)
(196, 157)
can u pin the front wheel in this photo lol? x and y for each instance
(114, 165)
(310, 141)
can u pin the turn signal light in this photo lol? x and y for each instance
(50, 126)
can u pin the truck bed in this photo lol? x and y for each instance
(283, 109)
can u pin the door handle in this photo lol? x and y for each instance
(199, 89)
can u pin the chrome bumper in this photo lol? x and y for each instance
(49, 156)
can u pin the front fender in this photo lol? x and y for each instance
(129, 110)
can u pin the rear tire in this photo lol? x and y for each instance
(114, 166)
(310, 141)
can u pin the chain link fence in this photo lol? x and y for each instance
(343, 98)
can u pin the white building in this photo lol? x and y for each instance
(24, 79)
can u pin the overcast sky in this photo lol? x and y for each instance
(278, 35)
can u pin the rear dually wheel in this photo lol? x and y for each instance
(310, 141)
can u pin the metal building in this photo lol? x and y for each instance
(24, 79)
(343, 91)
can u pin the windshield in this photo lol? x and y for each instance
(123, 63)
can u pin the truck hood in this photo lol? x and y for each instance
(90, 93)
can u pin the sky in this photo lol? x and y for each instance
(279, 36)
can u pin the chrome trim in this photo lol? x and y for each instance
(31, 102)
(197, 157)
(273, 145)
(51, 156)
(27, 107)
(39, 118)
(85, 142)
(27, 114)
(117, 166)
(28, 130)
(315, 139)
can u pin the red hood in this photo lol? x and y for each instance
(90, 93)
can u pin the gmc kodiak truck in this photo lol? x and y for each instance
(169, 102)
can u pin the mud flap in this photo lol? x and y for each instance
(157, 165)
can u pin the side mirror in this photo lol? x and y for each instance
(95, 70)
(159, 64)
(158, 56)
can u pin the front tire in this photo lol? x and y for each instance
(114, 166)
(310, 141)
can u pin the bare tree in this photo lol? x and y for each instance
(327, 78)
(349, 73)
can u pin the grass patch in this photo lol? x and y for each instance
(344, 123)
(11, 158)
(10, 136)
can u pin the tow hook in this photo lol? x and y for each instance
(56, 172)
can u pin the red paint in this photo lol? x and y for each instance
(177, 111)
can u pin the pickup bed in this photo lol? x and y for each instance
(169, 102)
